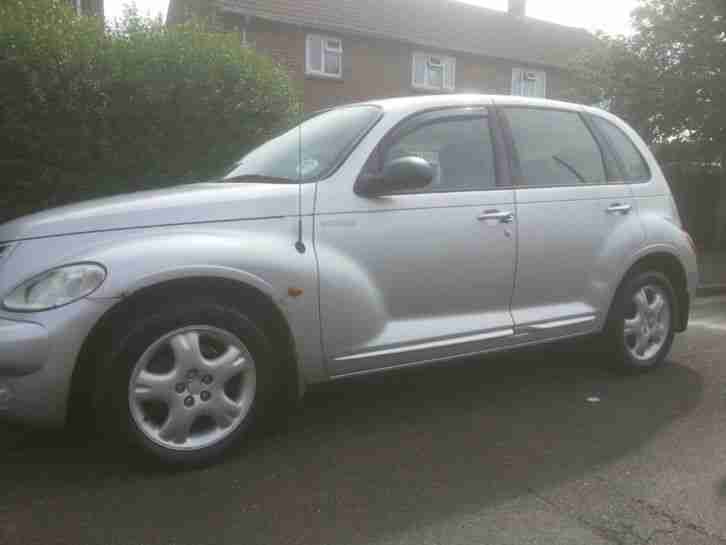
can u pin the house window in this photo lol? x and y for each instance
(529, 83)
(433, 72)
(324, 56)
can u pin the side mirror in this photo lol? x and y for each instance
(405, 173)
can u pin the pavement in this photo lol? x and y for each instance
(546, 446)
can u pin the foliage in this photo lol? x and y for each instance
(669, 77)
(684, 43)
(90, 110)
(611, 75)
(669, 81)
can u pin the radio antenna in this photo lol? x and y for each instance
(299, 244)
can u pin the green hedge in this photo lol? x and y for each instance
(87, 110)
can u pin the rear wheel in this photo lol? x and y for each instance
(188, 381)
(640, 327)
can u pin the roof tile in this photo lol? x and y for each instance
(442, 24)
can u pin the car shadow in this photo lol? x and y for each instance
(361, 460)
(721, 490)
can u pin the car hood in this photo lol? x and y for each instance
(193, 203)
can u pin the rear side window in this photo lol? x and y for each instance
(631, 162)
(459, 148)
(554, 147)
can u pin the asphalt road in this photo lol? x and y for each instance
(505, 449)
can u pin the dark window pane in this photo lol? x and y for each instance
(436, 76)
(419, 66)
(460, 150)
(555, 148)
(315, 48)
(632, 161)
(332, 63)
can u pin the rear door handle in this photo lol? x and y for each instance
(502, 216)
(618, 208)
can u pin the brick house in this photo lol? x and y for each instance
(340, 51)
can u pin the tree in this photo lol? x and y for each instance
(613, 76)
(683, 43)
(668, 80)
(89, 111)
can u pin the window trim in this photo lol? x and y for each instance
(613, 170)
(309, 71)
(428, 116)
(616, 156)
(523, 69)
(425, 86)
(516, 169)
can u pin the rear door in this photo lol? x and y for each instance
(575, 219)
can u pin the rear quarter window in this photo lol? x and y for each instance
(630, 161)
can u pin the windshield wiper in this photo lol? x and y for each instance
(569, 167)
(259, 179)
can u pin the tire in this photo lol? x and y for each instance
(180, 375)
(638, 335)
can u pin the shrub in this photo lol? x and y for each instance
(87, 110)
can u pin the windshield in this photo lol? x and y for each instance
(309, 151)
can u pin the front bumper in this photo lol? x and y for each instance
(23, 347)
(38, 353)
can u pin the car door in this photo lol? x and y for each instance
(575, 218)
(423, 275)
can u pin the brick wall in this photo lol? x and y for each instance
(375, 68)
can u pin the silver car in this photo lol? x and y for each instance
(371, 237)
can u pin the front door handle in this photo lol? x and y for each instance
(501, 216)
(618, 208)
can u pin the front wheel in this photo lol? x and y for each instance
(188, 381)
(640, 327)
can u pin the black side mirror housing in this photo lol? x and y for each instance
(399, 175)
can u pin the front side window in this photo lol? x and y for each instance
(433, 72)
(529, 83)
(631, 162)
(554, 147)
(459, 149)
(323, 56)
(309, 151)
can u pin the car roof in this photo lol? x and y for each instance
(415, 103)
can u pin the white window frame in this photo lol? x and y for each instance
(518, 75)
(324, 47)
(444, 62)
(79, 6)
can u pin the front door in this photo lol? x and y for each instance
(425, 275)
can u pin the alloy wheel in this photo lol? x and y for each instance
(647, 322)
(192, 388)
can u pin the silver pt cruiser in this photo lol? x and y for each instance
(370, 237)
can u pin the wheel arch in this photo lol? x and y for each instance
(668, 264)
(242, 295)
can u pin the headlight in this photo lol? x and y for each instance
(56, 287)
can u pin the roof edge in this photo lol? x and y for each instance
(226, 8)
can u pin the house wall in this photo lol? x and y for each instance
(375, 68)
